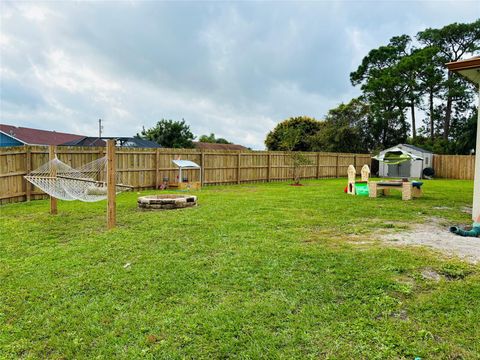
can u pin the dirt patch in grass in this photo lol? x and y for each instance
(430, 274)
(400, 314)
(434, 234)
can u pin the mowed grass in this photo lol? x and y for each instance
(255, 271)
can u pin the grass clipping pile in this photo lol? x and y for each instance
(435, 235)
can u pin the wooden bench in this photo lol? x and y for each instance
(408, 189)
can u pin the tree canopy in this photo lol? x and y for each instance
(347, 128)
(305, 128)
(169, 134)
(212, 139)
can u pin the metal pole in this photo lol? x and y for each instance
(100, 128)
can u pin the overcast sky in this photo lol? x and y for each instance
(232, 68)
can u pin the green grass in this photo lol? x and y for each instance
(255, 271)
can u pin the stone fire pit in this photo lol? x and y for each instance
(166, 202)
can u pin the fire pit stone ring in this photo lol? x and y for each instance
(166, 202)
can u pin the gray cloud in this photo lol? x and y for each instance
(235, 69)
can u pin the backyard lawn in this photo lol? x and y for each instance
(255, 271)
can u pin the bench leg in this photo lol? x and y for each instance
(406, 191)
(416, 192)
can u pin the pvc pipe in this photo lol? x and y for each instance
(475, 232)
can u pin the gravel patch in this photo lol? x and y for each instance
(436, 236)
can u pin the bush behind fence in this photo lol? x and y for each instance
(148, 168)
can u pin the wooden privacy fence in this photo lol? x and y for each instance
(460, 167)
(149, 168)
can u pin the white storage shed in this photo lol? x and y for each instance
(410, 168)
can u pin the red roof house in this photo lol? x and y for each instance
(14, 135)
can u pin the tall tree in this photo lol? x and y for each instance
(170, 134)
(430, 77)
(408, 70)
(347, 128)
(453, 42)
(388, 89)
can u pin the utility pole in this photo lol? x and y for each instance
(100, 128)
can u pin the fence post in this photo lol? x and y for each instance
(238, 168)
(53, 173)
(355, 161)
(111, 188)
(28, 168)
(202, 168)
(318, 165)
(336, 166)
(269, 168)
(157, 168)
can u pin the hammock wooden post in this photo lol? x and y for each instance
(28, 163)
(111, 185)
(53, 173)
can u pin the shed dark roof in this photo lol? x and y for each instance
(136, 142)
(121, 141)
(38, 137)
(215, 146)
(86, 141)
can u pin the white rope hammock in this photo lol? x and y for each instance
(87, 183)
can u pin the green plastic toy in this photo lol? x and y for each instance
(361, 189)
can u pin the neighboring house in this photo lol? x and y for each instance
(16, 136)
(408, 168)
(8, 140)
(121, 141)
(215, 146)
(470, 69)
